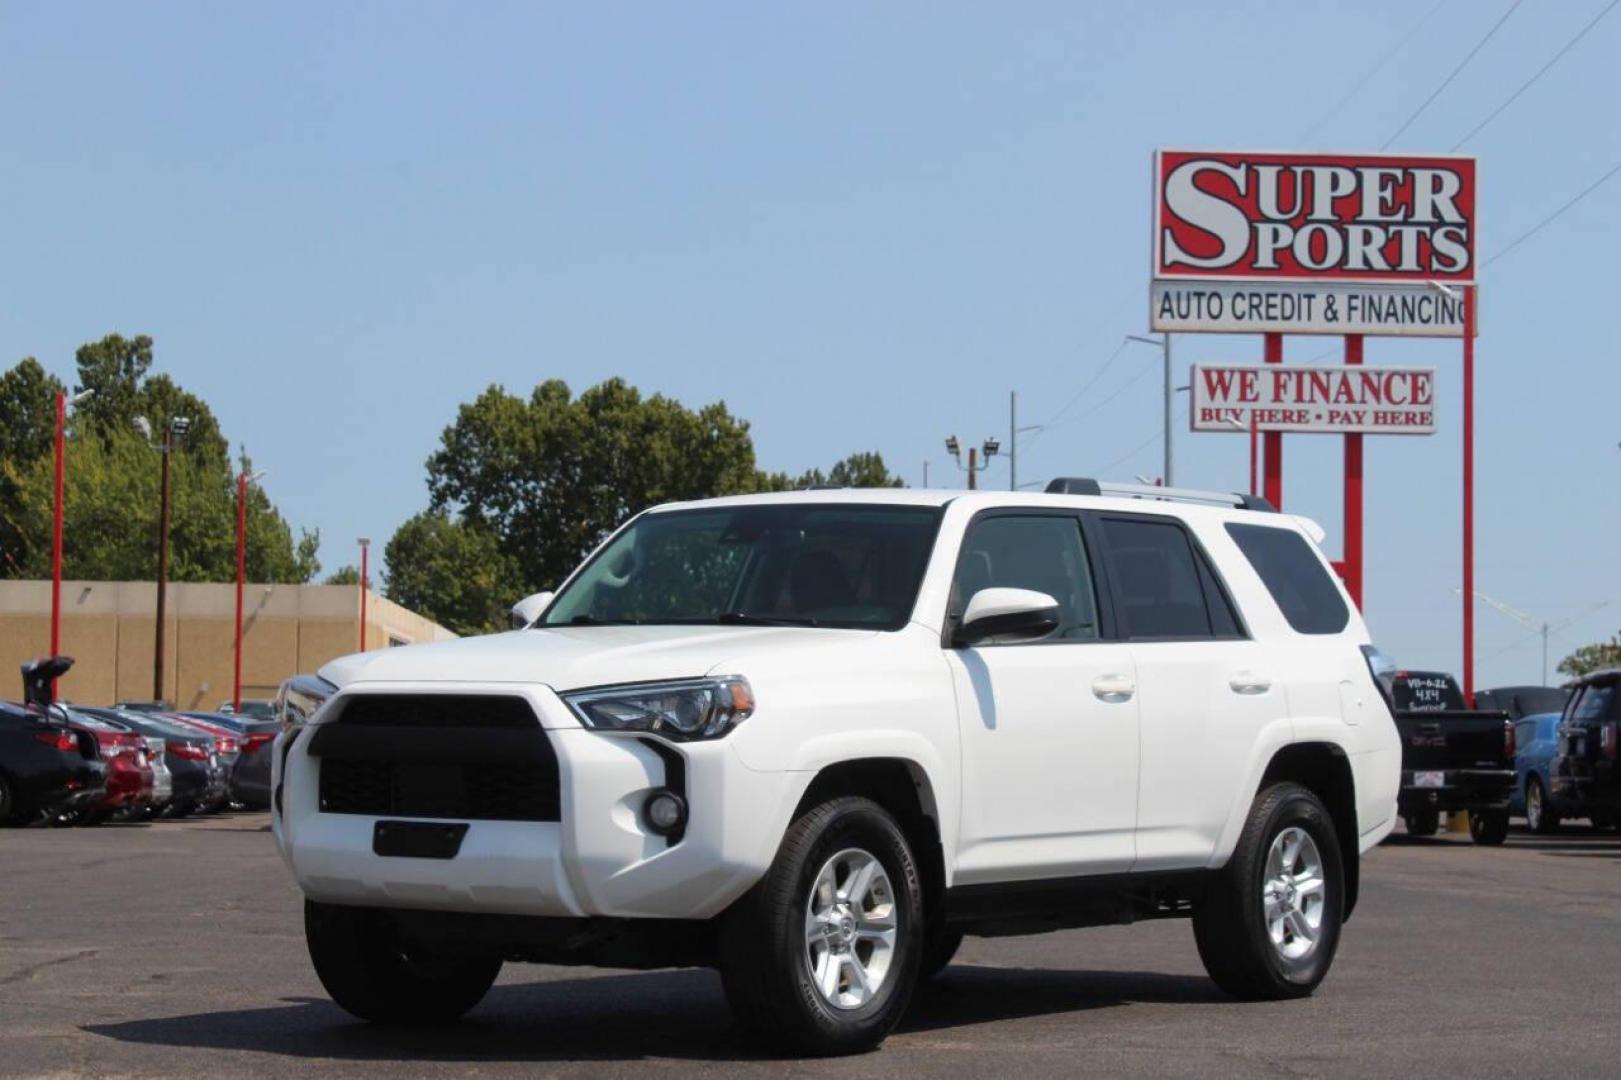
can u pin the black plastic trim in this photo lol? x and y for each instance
(675, 781)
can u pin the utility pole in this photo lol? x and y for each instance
(177, 426)
(1541, 626)
(1164, 343)
(925, 472)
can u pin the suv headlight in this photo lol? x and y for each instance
(681, 710)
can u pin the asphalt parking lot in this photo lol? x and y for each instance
(177, 948)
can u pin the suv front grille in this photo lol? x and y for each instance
(411, 756)
(480, 792)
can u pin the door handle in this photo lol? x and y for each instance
(1113, 688)
(1248, 682)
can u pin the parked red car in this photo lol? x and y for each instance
(130, 776)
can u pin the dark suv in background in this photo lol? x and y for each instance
(1586, 778)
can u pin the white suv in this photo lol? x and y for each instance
(815, 738)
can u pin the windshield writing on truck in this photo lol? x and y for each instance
(826, 565)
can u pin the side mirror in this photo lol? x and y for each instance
(530, 608)
(1006, 613)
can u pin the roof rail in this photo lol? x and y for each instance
(1082, 485)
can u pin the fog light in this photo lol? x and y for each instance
(664, 812)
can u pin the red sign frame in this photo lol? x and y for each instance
(1262, 215)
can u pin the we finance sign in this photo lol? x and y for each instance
(1314, 217)
(1342, 400)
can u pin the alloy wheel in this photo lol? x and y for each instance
(851, 928)
(1294, 893)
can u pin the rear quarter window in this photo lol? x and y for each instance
(1295, 576)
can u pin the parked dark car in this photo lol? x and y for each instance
(1522, 701)
(227, 743)
(46, 768)
(198, 780)
(1453, 757)
(250, 770)
(299, 697)
(1586, 777)
(252, 709)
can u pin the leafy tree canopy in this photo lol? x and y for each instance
(454, 573)
(522, 489)
(1591, 658)
(111, 495)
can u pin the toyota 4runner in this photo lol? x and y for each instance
(813, 739)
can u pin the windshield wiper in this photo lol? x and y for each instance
(743, 618)
(592, 620)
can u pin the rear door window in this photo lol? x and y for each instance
(1295, 576)
(1159, 590)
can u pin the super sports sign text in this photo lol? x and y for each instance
(1314, 217)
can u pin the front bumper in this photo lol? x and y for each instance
(1461, 789)
(599, 859)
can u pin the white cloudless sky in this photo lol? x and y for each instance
(859, 225)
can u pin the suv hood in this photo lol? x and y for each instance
(570, 657)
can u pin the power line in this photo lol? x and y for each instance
(1376, 69)
(1144, 445)
(1454, 74)
(1543, 70)
(1127, 385)
(1093, 381)
(1549, 220)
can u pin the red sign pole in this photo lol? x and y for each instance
(1274, 439)
(1469, 494)
(1353, 492)
(241, 573)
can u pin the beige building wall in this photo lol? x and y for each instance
(108, 628)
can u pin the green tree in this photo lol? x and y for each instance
(1591, 658)
(455, 573)
(547, 477)
(27, 433)
(111, 505)
(343, 575)
(862, 470)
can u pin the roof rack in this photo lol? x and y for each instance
(1084, 485)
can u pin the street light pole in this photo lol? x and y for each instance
(56, 535)
(163, 566)
(176, 426)
(1164, 343)
(242, 482)
(365, 551)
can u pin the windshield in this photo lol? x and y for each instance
(837, 565)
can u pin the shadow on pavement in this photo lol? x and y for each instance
(665, 1014)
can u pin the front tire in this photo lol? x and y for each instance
(1539, 816)
(1488, 827)
(822, 955)
(371, 973)
(1268, 926)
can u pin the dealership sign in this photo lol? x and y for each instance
(1314, 217)
(1294, 307)
(1345, 400)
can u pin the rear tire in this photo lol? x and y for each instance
(8, 805)
(1539, 815)
(1489, 827)
(1269, 924)
(1422, 822)
(372, 974)
(804, 955)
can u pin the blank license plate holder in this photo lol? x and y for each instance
(1432, 779)
(418, 839)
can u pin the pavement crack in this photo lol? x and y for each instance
(31, 970)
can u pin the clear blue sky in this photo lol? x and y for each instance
(859, 225)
